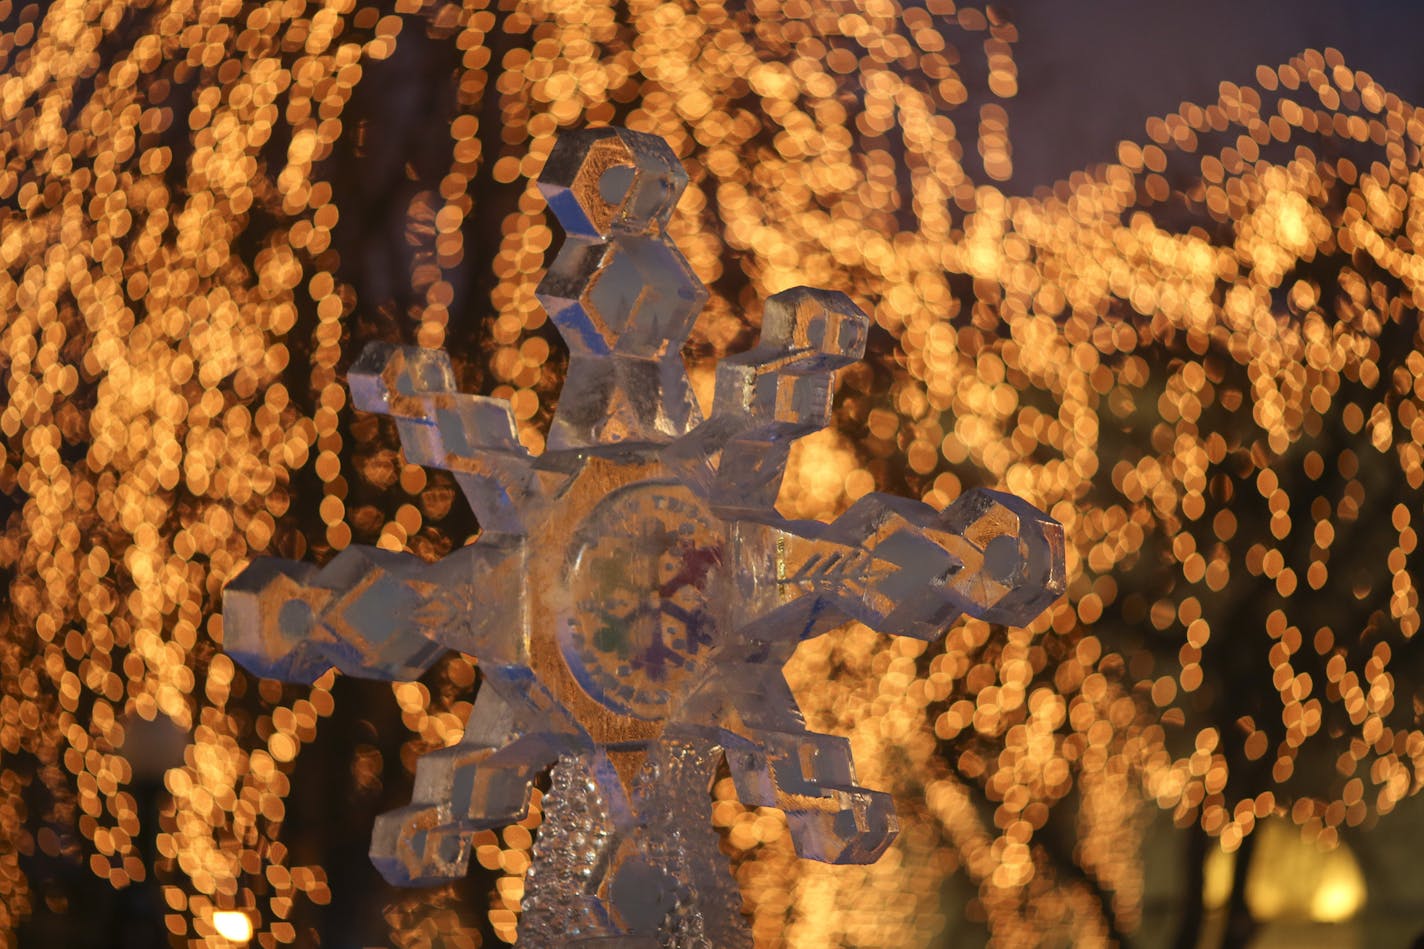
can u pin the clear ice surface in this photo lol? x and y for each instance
(634, 593)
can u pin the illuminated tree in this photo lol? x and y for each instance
(209, 209)
(1226, 350)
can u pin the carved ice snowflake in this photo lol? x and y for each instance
(634, 593)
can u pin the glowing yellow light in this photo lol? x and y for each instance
(1216, 878)
(233, 925)
(1291, 225)
(1335, 901)
(1292, 878)
(1341, 892)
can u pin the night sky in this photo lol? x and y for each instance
(1091, 72)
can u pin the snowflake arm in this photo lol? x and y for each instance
(766, 398)
(899, 566)
(471, 436)
(775, 761)
(621, 294)
(292, 621)
(516, 730)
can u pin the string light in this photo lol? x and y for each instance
(233, 925)
(1153, 351)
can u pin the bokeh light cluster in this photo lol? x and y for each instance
(1203, 359)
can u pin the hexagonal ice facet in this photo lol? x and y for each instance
(458, 790)
(856, 827)
(370, 617)
(898, 583)
(768, 396)
(268, 614)
(636, 296)
(782, 387)
(749, 477)
(804, 401)
(391, 379)
(1013, 556)
(830, 818)
(613, 404)
(794, 401)
(818, 329)
(418, 845)
(417, 386)
(598, 181)
(287, 620)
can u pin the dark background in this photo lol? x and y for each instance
(1091, 73)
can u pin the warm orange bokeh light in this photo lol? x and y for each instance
(1152, 351)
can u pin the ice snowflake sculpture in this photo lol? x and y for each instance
(634, 593)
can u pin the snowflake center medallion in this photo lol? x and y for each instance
(634, 593)
(641, 570)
